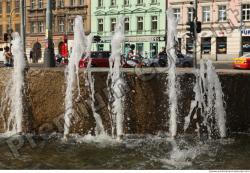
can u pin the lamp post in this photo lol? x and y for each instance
(49, 49)
(195, 34)
(241, 29)
(23, 23)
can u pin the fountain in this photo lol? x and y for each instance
(208, 102)
(172, 81)
(14, 90)
(80, 46)
(115, 82)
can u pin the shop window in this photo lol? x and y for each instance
(221, 44)
(139, 48)
(246, 44)
(206, 45)
(153, 50)
(189, 46)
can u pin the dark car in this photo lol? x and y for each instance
(99, 59)
(184, 60)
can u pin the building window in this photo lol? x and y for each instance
(206, 45)
(100, 3)
(8, 6)
(40, 27)
(139, 24)
(17, 6)
(61, 25)
(1, 8)
(154, 23)
(81, 2)
(100, 25)
(177, 14)
(222, 13)
(206, 14)
(61, 3)
(126, 24)
(126, 2)
(245, 44)
(221, 44)
(139, 2)
(153, 1)
(73, 2)
(17, 28)
(189, 45)
(153, 50)
(113, 2)
(40, 4)
(190, 14)
(139, 48)
(113, 23)
(32, 4)
(71, 25)
(1, 30)
(246, 12)
(32, 27)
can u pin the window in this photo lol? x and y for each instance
(153, 1)
(1, 8)
(8, 6)
(189, 45)
(61, 3)
(81, 2)
(40, 27)
(153, 50)
(221, 44)
(61, 25)
(126, 24)
(100, 25)
(222, 13)
(190, 14)
(206, 45)
(113, 2)
(100, 3)
(71, 25)
(17, 6)
(154, 23)
(139, 24)
(1, 30)
(126, 2)
(177, 14)
(139, 48)
(113, 23)
(206, 14)
(246, 12)
(32, 27)
(32, 4)
(17, 28)
(72, 2)
(139, 2)
(40, 4)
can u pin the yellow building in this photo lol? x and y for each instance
(9, 9)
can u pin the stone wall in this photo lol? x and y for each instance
(146, 106)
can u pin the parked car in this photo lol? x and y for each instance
(181, 61)
(242, 62)
(99, 59)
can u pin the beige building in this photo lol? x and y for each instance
(8, 9)
(220, 36)
(63, 22)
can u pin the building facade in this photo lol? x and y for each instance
(63, 23)
(144, 24)
(8, 9)
(221, 27)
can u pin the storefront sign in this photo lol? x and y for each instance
(245, 32)
(137, 39)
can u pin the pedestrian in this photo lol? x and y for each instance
(31, 55)
(163, 58)
(7, 57)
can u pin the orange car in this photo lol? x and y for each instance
(242, 62)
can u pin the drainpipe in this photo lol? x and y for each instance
(241, 29)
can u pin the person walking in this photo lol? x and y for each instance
(7, 57)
